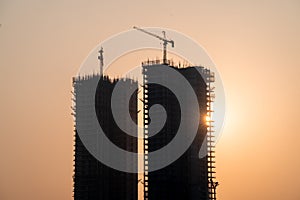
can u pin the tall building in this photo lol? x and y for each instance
(92, 179)
(189, 177)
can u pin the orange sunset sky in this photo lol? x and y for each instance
(254, 44)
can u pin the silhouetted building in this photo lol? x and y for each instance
(92, 179)
(189, 176)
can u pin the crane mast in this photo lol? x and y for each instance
(164, 39)
(100, 57)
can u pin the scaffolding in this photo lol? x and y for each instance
(146, 123)
(212, 184)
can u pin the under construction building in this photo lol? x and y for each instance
(92, 179)
(189, 177)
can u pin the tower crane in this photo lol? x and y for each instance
(164, 39)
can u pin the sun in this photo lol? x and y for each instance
(207, 120)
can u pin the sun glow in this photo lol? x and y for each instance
(207, 120)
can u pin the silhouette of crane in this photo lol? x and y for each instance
(164, 39)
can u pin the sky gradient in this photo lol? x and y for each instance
(254, 44)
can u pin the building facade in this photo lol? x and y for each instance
(189, 176)
(92, 179)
